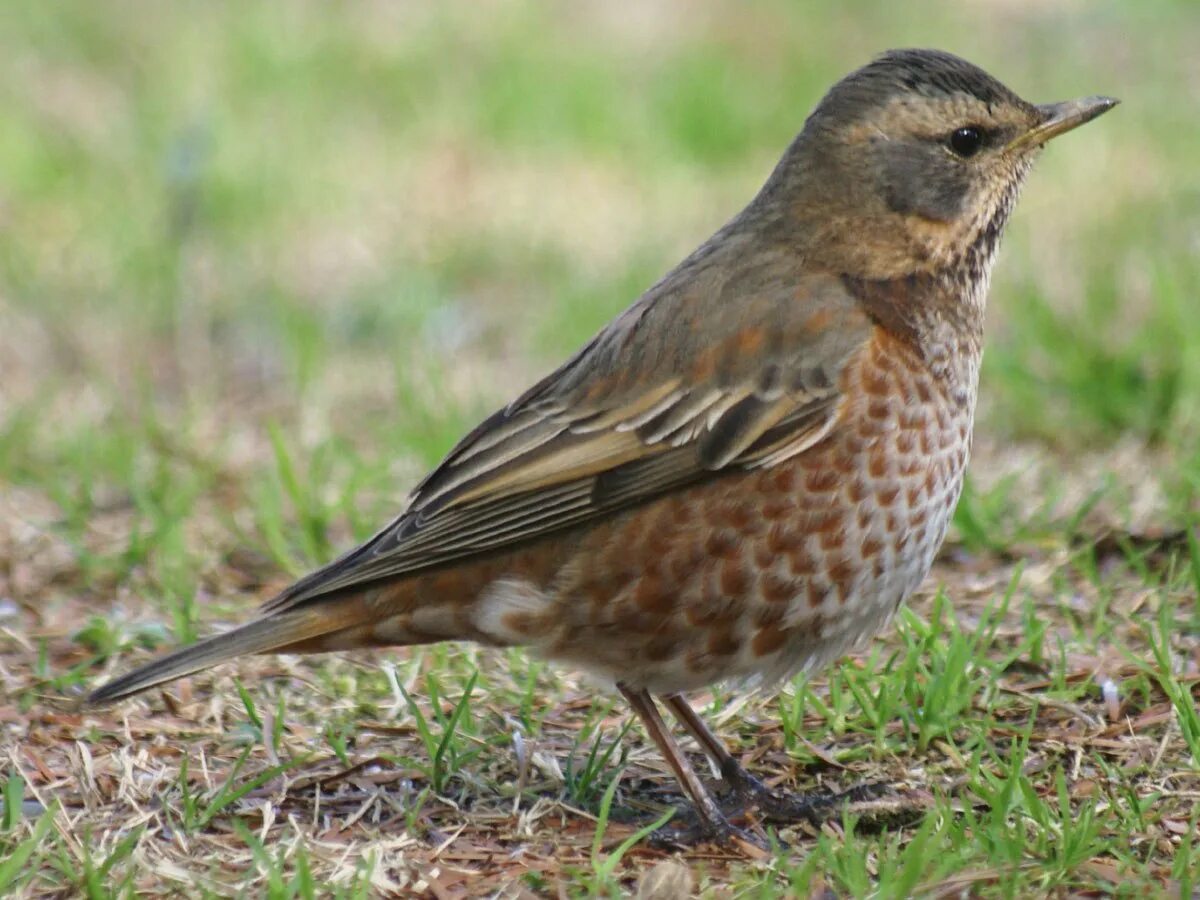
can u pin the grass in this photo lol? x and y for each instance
(261, 269)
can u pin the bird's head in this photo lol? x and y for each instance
(912, 164)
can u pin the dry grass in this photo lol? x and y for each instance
(322, 761)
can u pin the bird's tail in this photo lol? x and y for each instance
(274, 631)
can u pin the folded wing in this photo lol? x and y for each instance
(674, 391)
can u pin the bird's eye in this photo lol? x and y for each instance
(966, 141)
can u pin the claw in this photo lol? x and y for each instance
(877, 802)
(815, 807)
(719, 832)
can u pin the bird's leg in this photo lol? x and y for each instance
(749, 790)
(745, 786)
(713, 824)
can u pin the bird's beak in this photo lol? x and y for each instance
(1058, 118)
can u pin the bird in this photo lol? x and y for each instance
(743, 475)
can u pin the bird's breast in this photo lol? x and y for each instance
(761, 573)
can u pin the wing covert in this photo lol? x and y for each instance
(623, 421)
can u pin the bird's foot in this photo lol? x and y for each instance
(871, 800)
(700, 830)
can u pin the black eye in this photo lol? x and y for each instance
(966, 141)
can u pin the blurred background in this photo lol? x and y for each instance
(260, 264)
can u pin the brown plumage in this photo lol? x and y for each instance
(747, 471)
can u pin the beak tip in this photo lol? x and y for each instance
(1097, 107)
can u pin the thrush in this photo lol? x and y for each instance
(747, 471)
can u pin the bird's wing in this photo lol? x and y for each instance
(674, 391)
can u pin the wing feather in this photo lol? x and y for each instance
(620, 423)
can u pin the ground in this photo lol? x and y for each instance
(263, 264)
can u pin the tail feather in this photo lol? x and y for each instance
(262, 635)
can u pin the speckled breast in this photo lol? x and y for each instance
(760, 574)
